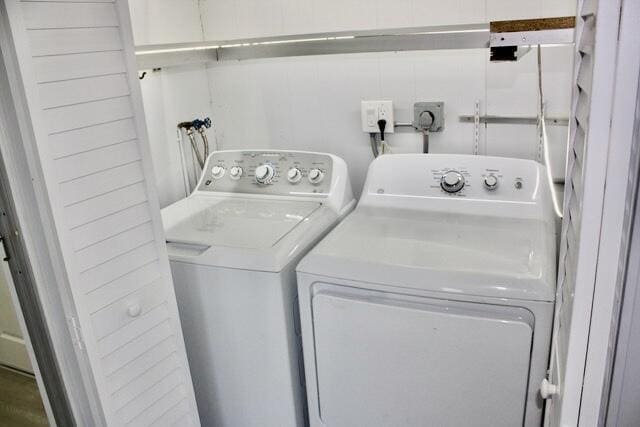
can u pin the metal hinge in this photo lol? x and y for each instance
(76, 332)
(4, 253)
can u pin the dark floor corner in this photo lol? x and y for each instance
(20, 403)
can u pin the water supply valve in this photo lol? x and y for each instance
(201, 124)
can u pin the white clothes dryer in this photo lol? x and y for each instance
(233, 246)
(432, 303)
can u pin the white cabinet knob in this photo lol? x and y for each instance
(134, 310)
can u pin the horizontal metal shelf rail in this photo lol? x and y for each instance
(468, 36)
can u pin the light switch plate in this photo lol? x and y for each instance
(372, 111)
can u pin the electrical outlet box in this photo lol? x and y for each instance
(428, 116)
(372, 111)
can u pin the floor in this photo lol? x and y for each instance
(20, 403)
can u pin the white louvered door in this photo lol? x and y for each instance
(82, 94)
(595, 59)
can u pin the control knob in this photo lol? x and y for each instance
(294, 175)
(217, 172)
(264, 174)
(491, 182)
(452, 182)
(316, 176)
(236, 172)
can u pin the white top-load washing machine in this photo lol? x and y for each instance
(233, 246)
(432, 303)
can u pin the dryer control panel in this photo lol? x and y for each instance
(286, 173)
(455, 183)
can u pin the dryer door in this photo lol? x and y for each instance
(385, 360)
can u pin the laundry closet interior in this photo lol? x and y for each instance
(318, 213)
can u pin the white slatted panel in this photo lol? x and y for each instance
(584, 194)
(85, 104)
(573, 186)
(574, 192)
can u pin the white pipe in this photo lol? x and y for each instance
(545, 142)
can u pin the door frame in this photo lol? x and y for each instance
(26, 299)
(621, 387)
(621, 182)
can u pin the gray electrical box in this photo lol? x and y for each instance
(428, 116)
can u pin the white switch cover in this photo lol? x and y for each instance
(372, 111)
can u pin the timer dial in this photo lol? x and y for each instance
(264, 174)
(452, 182)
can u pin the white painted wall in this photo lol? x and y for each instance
(312, 103)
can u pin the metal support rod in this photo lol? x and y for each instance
(425, 141)
(557, 121)
(402, 125)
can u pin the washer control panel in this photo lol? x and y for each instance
(267, 172)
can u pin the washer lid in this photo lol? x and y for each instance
(440, 252)
(234, 222)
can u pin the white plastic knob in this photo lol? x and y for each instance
(294, 175)
(236, 172)
(217, 172)
(134, 310)
(264, 174)
(316, 176)
(491, 182)
(548, 390)
(452, 181)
